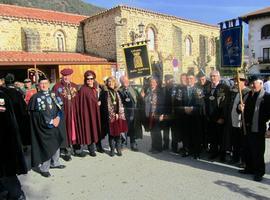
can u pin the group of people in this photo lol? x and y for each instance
(211, 116)
(202, 115)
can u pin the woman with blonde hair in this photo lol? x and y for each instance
(113, 118)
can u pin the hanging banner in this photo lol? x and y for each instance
(231, 47)
(137, 61)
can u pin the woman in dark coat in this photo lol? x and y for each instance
(12, 159)
(113, 118)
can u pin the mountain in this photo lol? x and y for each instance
(70, 6)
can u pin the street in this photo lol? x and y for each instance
(142, 175)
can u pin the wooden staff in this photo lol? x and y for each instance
(241, 102)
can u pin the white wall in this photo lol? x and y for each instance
(254, 39)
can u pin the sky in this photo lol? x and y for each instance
(208, 11)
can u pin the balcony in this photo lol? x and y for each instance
(263, 60)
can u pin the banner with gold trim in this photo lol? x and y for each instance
(137, 61)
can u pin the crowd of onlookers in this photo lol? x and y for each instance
(199, 114)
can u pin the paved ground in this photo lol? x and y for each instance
(142, 176)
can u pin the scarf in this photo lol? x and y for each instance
(255, 119)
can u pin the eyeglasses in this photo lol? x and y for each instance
(90, 79)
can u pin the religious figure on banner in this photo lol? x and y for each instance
(137, 59)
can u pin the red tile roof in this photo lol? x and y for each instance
(40, 14)
(57, 58)
(257, 13)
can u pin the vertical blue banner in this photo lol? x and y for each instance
(231, 47)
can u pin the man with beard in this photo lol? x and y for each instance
(12, 159)
(131, 102)
(89, 124)
(256, 109)
(48, 129)
(217, 99)
(68, 91)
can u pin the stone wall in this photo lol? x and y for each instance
(13, 38)
(100, 35)
(170, 33)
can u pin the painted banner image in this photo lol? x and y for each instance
(137, 61)
(231, 47)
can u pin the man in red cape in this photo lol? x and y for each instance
(68, 91)
(89, 124)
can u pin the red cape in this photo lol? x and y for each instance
(63, 90)
(89, 124)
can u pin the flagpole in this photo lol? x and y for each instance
(241, 102)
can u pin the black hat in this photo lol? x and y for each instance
(9, 78)
(42, 78)
(255, 78)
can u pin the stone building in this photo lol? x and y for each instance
(193, 44)
(47, 40)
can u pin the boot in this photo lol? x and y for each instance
(91, 149)
(118, 147)
(112, 147)
(133, 147)
(99, 147)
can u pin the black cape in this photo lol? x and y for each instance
(45, 140)
(20, 111)
(12, 159)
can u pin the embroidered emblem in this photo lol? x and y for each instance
(2, 102)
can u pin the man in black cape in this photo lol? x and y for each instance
(48, 130)
(12, 159)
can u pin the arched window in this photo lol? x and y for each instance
(212, 47)
(60, 41)
(151, 37)
(266, 32)
(188, 46)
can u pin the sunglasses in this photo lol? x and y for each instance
(90, 79)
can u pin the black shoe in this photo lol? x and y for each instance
(93, 154)
(119, 152)
(112, 153)
(257, 178)
(100, 150)
(185, 154)
(45, 174)
(134, 149)
(81, 155)
(66, 158)
(245, 171)
(196, 156)
(58, 167)
(21, 197)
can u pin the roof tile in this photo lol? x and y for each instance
(40, 14)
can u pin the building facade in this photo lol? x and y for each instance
(259, 40)
(45, 40)
(192, 44)
(50, 41)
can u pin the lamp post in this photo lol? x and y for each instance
(134, 36)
